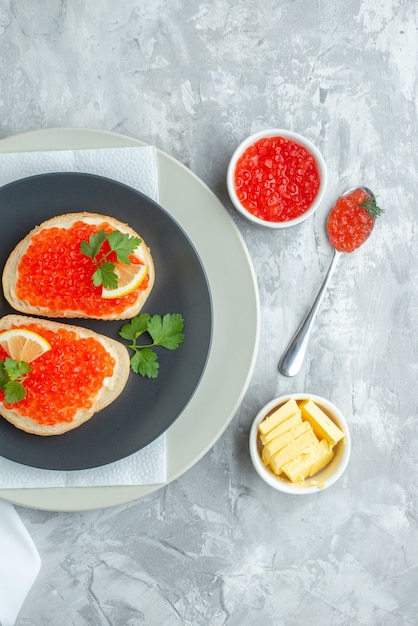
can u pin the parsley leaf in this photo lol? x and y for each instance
(105, 275)
(14, 392)
(121, 244)
(4, 377)
(133, 329)
(12, 376)
(164, 331)
(16, 369)
(95, 242)
(144, 362)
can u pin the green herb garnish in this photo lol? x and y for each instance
(12, 376)
(121, 244)
(371, 207)
(164, 331)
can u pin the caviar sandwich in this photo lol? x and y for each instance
(53, 376)
(80, 265)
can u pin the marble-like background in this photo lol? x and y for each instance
(194, 78)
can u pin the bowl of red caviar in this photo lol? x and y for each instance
(276, 178)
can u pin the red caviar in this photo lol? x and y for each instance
(276, 179)
(349, 224)
(54, 274)
(64, 379)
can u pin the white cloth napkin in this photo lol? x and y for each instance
(19, 564)
(136, 167)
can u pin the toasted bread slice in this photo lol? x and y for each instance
(31, 295)
(111, 385)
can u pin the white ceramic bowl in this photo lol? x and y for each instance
(275, 132)
(324, 478)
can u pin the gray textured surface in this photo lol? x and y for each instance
(217, 546)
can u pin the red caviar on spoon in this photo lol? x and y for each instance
(350, 222)
(351, 219)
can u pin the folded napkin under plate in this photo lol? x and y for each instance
(136, 167)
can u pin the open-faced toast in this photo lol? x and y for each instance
(80, 373)
(48, 274)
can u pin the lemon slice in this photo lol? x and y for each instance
(23, 345)
(129, 279)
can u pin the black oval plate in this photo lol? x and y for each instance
(146, 408)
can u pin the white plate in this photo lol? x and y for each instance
(235, 315)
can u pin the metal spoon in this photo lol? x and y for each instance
(293, 356)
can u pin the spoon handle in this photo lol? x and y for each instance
(292, 358)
